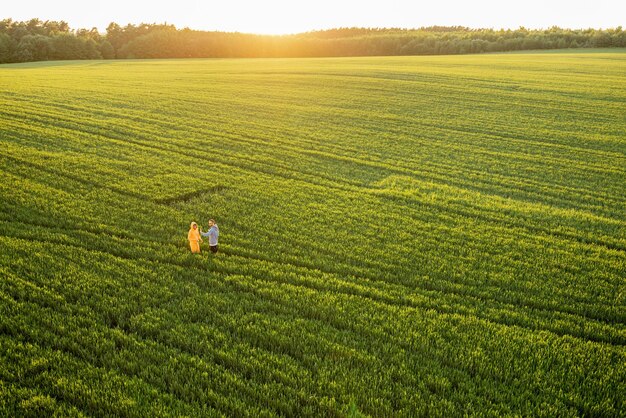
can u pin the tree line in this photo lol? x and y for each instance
(37, 40)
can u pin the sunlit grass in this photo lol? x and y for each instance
(399, 236)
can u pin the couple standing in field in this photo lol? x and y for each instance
(195, 236)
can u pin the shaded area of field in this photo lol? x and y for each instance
(407, 236)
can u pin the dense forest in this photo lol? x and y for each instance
(37, 40)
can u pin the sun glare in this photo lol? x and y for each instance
(284, 17)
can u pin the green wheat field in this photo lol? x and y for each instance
(399, 236)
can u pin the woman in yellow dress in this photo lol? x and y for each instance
(194, 238)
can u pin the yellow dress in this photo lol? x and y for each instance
(194, 239)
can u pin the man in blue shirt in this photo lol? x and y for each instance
(213, 233)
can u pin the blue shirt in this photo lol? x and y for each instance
(213, 233)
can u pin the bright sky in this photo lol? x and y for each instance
(293, 16)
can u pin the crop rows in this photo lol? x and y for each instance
(424, 236)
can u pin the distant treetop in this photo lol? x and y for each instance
(37, 40)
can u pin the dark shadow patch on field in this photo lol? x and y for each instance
(74, 177)
(47, 64)
(187, 197)
(465, 211)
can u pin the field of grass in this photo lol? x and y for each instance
(406, 236)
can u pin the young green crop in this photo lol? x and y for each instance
(398, 236)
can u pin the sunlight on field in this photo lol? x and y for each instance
(399, 236)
